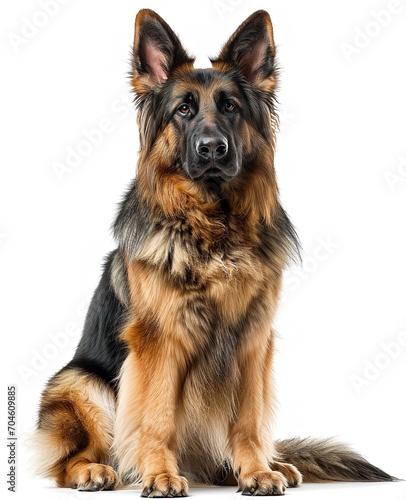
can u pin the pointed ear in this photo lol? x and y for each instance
(157, 52)
(251, 49)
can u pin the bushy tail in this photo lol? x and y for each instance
(321, 460)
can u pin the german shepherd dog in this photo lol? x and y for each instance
(172, 378)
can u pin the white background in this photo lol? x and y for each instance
(339, 163)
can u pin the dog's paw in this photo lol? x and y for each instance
(95, 477)
(262, 483)
(165, 485)
(290, 472)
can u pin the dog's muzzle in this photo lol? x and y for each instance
(212, 161)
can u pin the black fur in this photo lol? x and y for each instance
(100, 350)
(327, 460)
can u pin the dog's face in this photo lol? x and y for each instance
(205, 111)
(206, 118)
(208, 112)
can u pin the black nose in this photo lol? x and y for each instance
(211, 147)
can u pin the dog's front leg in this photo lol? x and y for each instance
(250, 439)
(145, 434)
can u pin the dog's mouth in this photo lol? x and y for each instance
(213, 178)
(212, 174)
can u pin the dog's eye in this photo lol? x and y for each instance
(184, 109)
(229, 107)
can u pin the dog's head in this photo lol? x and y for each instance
(208, 123)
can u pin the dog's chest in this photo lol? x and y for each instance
(192, 263)
(202, 296)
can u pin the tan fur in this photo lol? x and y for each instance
(83, 415)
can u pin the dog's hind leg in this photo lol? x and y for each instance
(74, 433)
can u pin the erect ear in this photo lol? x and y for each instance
(157, 51)
(251, 49)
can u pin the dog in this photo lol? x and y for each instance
(172, 378)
